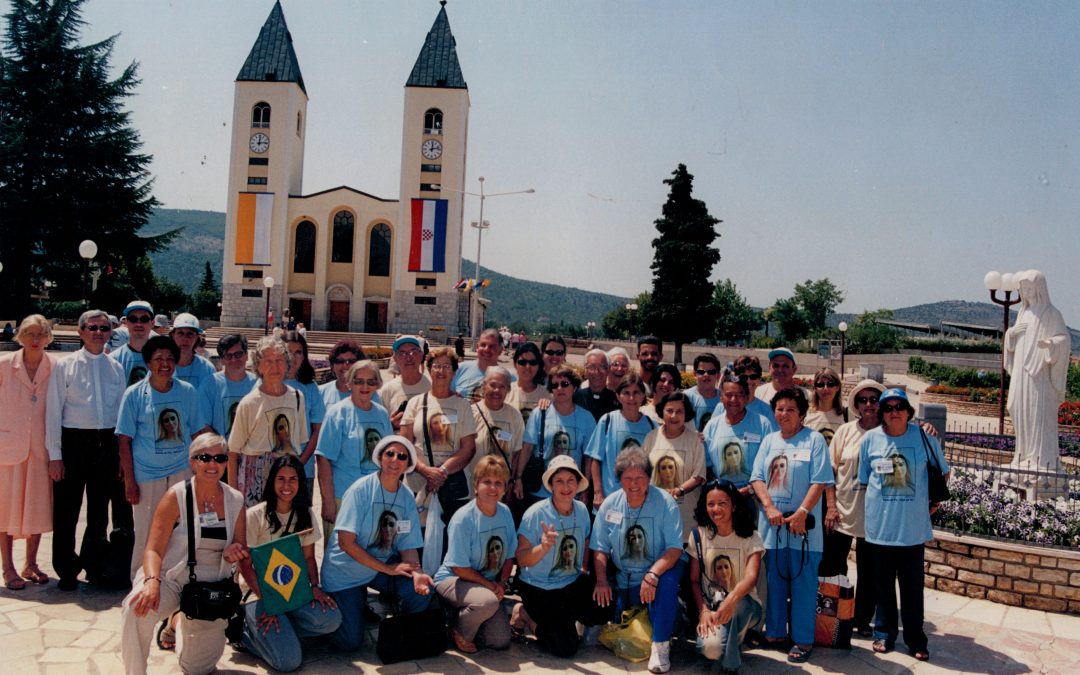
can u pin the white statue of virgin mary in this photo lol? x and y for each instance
(1037, 351)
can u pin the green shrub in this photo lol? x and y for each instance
(953, 377)
(951, 345)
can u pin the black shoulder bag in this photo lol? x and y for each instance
(937, 486)
(533, 474)
(205, 600)
(455, 489)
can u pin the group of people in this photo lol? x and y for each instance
(603, 494)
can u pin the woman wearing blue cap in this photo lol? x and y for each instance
(893, 463)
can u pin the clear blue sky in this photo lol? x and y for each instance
(901, 149)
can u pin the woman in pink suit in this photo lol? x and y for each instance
(25, 483)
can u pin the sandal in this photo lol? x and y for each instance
(798, 654)
(166, 634)
(35, 575)
(921, 655)
(13, 582)
(463, 645)
(881, 647)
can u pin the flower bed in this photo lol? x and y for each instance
(1068, 442)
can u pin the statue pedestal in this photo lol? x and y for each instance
(1031, 482)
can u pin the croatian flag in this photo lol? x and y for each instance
(427, 253)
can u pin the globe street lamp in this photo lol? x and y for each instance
(87, 250)
(631, 307)
(588, 329)
(268, 284)
(1007, 282)
(843, 334)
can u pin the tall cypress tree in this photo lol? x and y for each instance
(70, 166)
(681, 306)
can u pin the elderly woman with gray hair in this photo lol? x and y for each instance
(637, 540)
(499, 425)
(253, 444)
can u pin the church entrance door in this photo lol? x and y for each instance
(375, 317)
(339, 316)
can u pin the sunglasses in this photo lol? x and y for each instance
(370, 383)
(402, 456)
(751, 376)
(562, 384)
(893, 407)
(93, 328)
(142, 318)
(206, 458)
(863, 400)
(344, 362)
(555, 352)
(826, 385)
(704, 371)
(528, 362)
(234, 356)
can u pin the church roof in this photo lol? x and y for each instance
(272, 58)
(437, 65)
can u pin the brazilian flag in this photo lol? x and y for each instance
(282, 573)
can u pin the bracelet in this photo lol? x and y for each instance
(803, 509)
(152, 578)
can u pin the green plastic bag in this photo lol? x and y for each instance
(631, 638)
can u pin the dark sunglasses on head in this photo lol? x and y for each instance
(206, 458)
(863, 400)
(142, 318)
(563, 384)
(93, 329)
(706, 371)
(528, 362)
(717, 483)
(893, 407)
(555, 352)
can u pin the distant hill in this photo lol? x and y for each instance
(202, 240)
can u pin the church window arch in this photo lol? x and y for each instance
(260, 115)
(433, 121)
(342, 250)
(379, 251)
(304, 248)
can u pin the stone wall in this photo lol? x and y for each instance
(1010, 574)
(959, 406)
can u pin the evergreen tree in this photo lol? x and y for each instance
(681, 306)
(204, 302)
(70, 166)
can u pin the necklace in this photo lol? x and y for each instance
(559, 515)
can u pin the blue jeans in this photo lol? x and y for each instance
(281, 648)
(664, 607)
(351, 602)
(791, 574)
(723, 645)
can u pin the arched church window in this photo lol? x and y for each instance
(433, 121)
(343, 237)
(304, 254)
(260, 116)
(379, 251)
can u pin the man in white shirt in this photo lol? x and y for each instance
(84, 396)
(782, 368)
(395, 393)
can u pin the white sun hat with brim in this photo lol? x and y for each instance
(564, 463)
(387, 441)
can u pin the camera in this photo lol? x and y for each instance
(810, 521)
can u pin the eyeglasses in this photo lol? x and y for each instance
(344, 362)
(863, 400)
(440, 366)
(234, 356)
(95, 328)
(411, 354)
(562, 384)
(528, 362)
(826, 385)
(706, 371)
(142, 318)
(206, 458)
(370, 383)
(750, 376)
(402, 456)
(555, 352)
(893, 407)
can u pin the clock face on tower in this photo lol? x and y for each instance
(431, 149)
(259, 143)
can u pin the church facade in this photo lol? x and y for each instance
(343, 259)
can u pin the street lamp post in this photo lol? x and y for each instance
(843, 334)
(631, 307)
(268, 284)
(588, 329)
(480, 226)
(87, 250)
(995, 282)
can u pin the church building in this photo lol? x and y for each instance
(343, 259)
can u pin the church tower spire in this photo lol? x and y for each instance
(272, 58)
(437, 65)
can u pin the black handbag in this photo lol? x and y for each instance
(455, 489)
(533, 475)
(937, 486)
(206, 600)
(407, 637)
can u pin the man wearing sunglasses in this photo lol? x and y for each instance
(704, 395)
(84, 394)
(140, 316)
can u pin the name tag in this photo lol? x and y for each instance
(801, 455)
(209, 519)
(503, 435)
(450, 418)
(883, 465)
(404, 526)
(752, 438)
(614, 517)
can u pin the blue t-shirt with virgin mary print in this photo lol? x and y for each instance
(633, 539)
(561, 565)
(563, 435)
(479, 542)
(788, 467)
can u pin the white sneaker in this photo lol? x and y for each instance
(660, 658)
